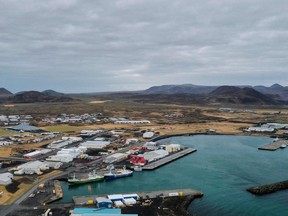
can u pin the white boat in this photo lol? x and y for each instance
(117, 173)
(283, 145)
(138, 168)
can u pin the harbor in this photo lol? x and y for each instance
(274, 145)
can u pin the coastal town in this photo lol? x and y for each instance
(35, 161)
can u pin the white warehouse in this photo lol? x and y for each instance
(6, 178)
(31, 168)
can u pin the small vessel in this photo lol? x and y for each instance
(276, 139)
(283, 145)
(119, 173)
(92, 177)
(137, 168)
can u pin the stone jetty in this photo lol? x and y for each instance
(269, 188)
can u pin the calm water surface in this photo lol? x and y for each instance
(223, 167)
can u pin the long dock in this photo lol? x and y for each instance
(273, 146)
(83, 200)
(168, 159)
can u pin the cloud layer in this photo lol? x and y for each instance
(95, 45)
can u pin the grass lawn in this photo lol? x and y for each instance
(4, 132)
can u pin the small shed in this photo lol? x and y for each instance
(118, 204)
(6, 178)
(115, 197)
(102, 202)
(129, 201)
(133, 196)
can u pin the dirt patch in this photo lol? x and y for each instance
(99, 102)
(13, 187)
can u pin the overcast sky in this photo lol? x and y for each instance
(111, 45)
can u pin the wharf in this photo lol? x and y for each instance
(58, 193)
(83, 200)
(168, 159)
(273, 146)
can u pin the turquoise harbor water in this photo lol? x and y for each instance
(223, 167)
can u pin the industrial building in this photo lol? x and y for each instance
(142, 159)
(148, 135)
(132, 122)
(25, 128)
(88, 133)
(261, 129)
(171, 148)
(115, 158)
(67, 155)
(6, 178)
(31, 168)
(131, 140)
(102, 202)
(151, 145)
(95, 144)
(36, 153)
(64, 142)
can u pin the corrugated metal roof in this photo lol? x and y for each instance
(25, 127)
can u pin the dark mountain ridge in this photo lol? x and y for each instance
(237, 95)
(36, 97)
(230, 95)
(4, 92)
(279, 91)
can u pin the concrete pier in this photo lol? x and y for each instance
(273, 146)
(58, 193)
(168, 159)
(83, 200)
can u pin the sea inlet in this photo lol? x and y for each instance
(223, 168)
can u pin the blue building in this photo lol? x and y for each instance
(98, 212)
(102, 202)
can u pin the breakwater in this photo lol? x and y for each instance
(269, 188)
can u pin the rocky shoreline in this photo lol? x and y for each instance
(169, 206)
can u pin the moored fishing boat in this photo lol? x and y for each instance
(119, 173)
(92, 177)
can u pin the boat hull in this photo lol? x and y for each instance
(77, 182)
(116, 176)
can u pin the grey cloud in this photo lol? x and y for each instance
(85, 45)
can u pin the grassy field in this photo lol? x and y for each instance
(4, 132)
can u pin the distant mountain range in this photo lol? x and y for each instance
(222, 95)
(276, 90)
(5, 93)
(237, 95)
(179, 94)
(33, 96)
